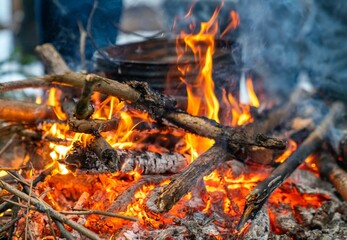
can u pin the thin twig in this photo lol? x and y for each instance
(64, 233)
(44, 207)
(10, 224)
(98, 212)
(51, 225)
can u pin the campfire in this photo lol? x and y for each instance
(96, 157)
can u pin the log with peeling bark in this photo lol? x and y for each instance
(151, 162)
(165, 197)
(337, 176)
(86, 159)
(259, 195)
(25, 112)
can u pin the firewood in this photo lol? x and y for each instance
(165, 197)
(90, 159)
(84, 108)
(25, 112)
(52, 60)
(151, 162)
(159, 106)
(259, 195)
(92, 126)
(105, 152)
(338, 177)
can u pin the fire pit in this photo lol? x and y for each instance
(110, 159)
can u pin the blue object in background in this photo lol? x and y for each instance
(58, 24)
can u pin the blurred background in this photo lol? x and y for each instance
(279, 38)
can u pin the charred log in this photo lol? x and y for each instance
(259, 195)
(82, 159)
(338, 177)
(181, 184)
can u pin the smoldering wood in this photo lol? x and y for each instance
(167, 196)
(329, 169)
(286, 222)
(18, 111)
(92, 126)
(44, 207)
(259, 195)
(122, 201)
(85, 159)
(260, 227)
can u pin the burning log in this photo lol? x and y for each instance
(259, 195)
(152, 162)
(92, 159)
(92, 126)
(182, 183)
(337, 176)
(24, 111)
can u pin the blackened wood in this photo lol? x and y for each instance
(167, 196)
(338, 177)
(259, 195)
(105, 152)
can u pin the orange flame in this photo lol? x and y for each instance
(292, 146)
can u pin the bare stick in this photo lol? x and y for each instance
(182, 183)
(64, 233)
(52, 60)
(98, 212)
(259, 195)
(44, 207)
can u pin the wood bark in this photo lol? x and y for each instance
(259, 195)
(165, 197)
(338, 177)
(25, 112)
(92, 126)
